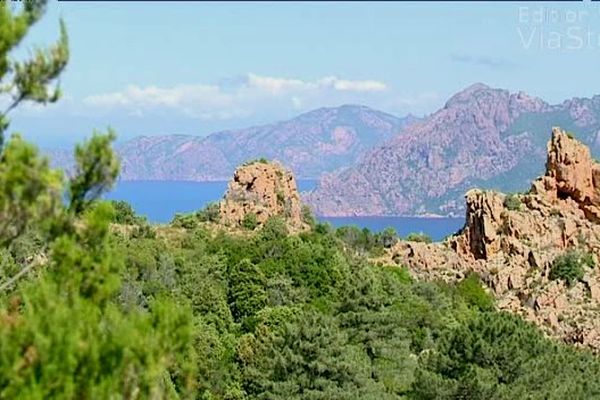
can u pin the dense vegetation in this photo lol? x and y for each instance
(97, 304)
(570, 266)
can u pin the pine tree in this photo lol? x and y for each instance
(32, 79)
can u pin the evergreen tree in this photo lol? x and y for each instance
(31, 79)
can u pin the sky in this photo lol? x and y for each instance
(198, 67)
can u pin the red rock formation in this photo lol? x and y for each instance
(264, 190)
(512, 246)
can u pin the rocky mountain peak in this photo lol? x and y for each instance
(470, 93)
(496, 101)
(260, 190)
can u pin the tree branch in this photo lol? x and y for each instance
(18, 276)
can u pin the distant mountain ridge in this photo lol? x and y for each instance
(311, 144)
(373, 163)
(483, 137)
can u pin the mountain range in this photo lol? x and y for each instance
(482, 137)
(311, 144)
(372, 163)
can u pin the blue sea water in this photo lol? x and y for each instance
(159, 201)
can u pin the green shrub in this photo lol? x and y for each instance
(387, 238)
(400, 273)
(308, 216)
(143, 231)
(512, 202)
(472, 291)
(250, 222)
(187, 221)
(570, 266)
(261, 160)
(500, 356)
(361, 240)
(419, 237)
(280, 198)
(210, 213)
(124, 213)
(274, 228)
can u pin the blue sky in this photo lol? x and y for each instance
(194, 68)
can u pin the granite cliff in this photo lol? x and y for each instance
(537, 252)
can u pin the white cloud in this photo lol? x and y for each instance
(155, 96)
(255, 92)
(279, 85)
(353, 86)
(276, 85)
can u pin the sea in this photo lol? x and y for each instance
(159, 201)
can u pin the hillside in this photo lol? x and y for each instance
(537, 251)
(482, 137)
(311, 144)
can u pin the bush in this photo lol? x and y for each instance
(280, 198)
(250, 222)
(570, 266)
(361, 240)
(143, 231)
(124, 213)
(275, 228)
(308, 216)
(187, 221)
(400, 274)
(210, 213)
(261, 160)
(419, 237)
(472, 291)
(499, 356)
(512, 202)
(387, 238)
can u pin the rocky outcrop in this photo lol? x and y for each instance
(260, 190)
(512, 241)
(571, 173)
(484, 218)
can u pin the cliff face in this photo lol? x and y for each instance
(483, 137)
(261, 190)
(514, 241)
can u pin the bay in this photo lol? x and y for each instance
(159, 201)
